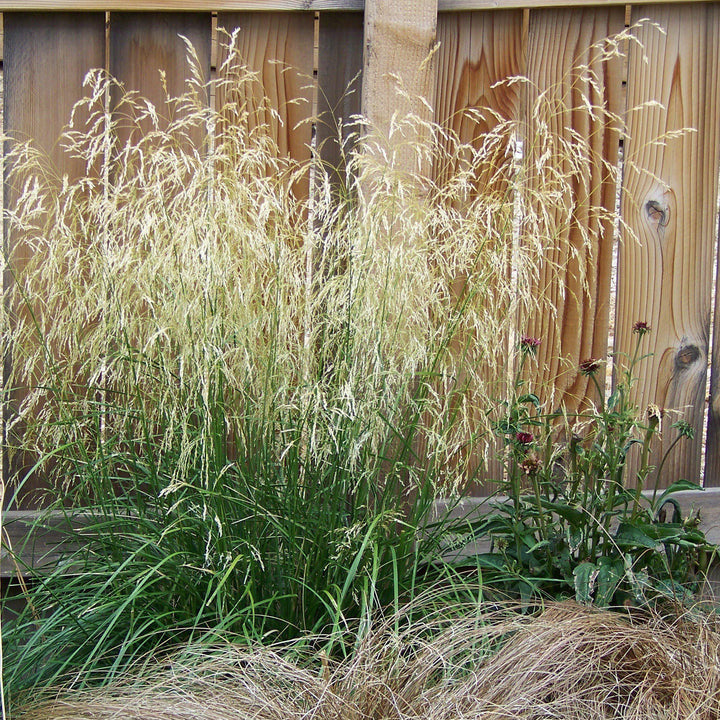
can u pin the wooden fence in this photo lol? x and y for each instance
(669, 193)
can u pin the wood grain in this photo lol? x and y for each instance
(340, 61)
(183, 5)
(38, 543)
(280, 5)
(46, 59)
(279, 48)
(712, 465)
(477, 51)
(574, 282)
(143, 45)
(669, 201)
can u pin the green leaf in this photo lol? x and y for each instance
(584, 576)
(631, 536)
(610, 574)
(574, 516)
(538, 545)
(678, 486)
(530, 398)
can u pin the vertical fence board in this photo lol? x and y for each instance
(279, 48)
(46, 57)
(144, 44)
(669, 201)
(711, 155)
(577, 272)
(340, 58)
(478, 50)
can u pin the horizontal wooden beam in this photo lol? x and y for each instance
(705, 502)
(290, 5)
(32, 540)
(28, 543)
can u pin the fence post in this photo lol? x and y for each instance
(399, 37)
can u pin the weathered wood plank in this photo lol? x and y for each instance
(705, 504)
(340, 60)
(565, 50)
(477, 51)
(669, 202)
(47, 56)
(280, 5)
(712, 464)
(279, 49)
(183, 5)
(399, 36)
(32, 541)
(38, 543)
(143, 45)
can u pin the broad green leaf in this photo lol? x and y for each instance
(678, 486)
(530, 398)
(574, 516)
(538, 545)
(610, 574)
(584, 576)
(629, 536)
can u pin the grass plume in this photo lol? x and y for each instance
(252, 396)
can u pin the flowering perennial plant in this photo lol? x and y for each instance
(572, 524)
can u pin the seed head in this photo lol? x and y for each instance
(655, 412)
(530, 465)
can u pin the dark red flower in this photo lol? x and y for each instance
(641, 327)
(589, 366)
(529, 345)
(655, 412)
(524, 438)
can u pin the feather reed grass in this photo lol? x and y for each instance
(568, 662)
(253, 396)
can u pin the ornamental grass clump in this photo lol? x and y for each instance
(458, 663)
(246, 396)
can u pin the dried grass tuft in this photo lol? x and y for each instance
(567, 662)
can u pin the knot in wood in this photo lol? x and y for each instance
(658, 213)
(686, 356)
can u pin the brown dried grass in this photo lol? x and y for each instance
(567, 662)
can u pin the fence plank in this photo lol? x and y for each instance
(287, 5)
(340, 58)
(46, 58)
(279, 48)
(478, 50)
(143, 44)
(184, 5)
(712, 466)
(399, 35)
(669, 201)
(577, 271)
